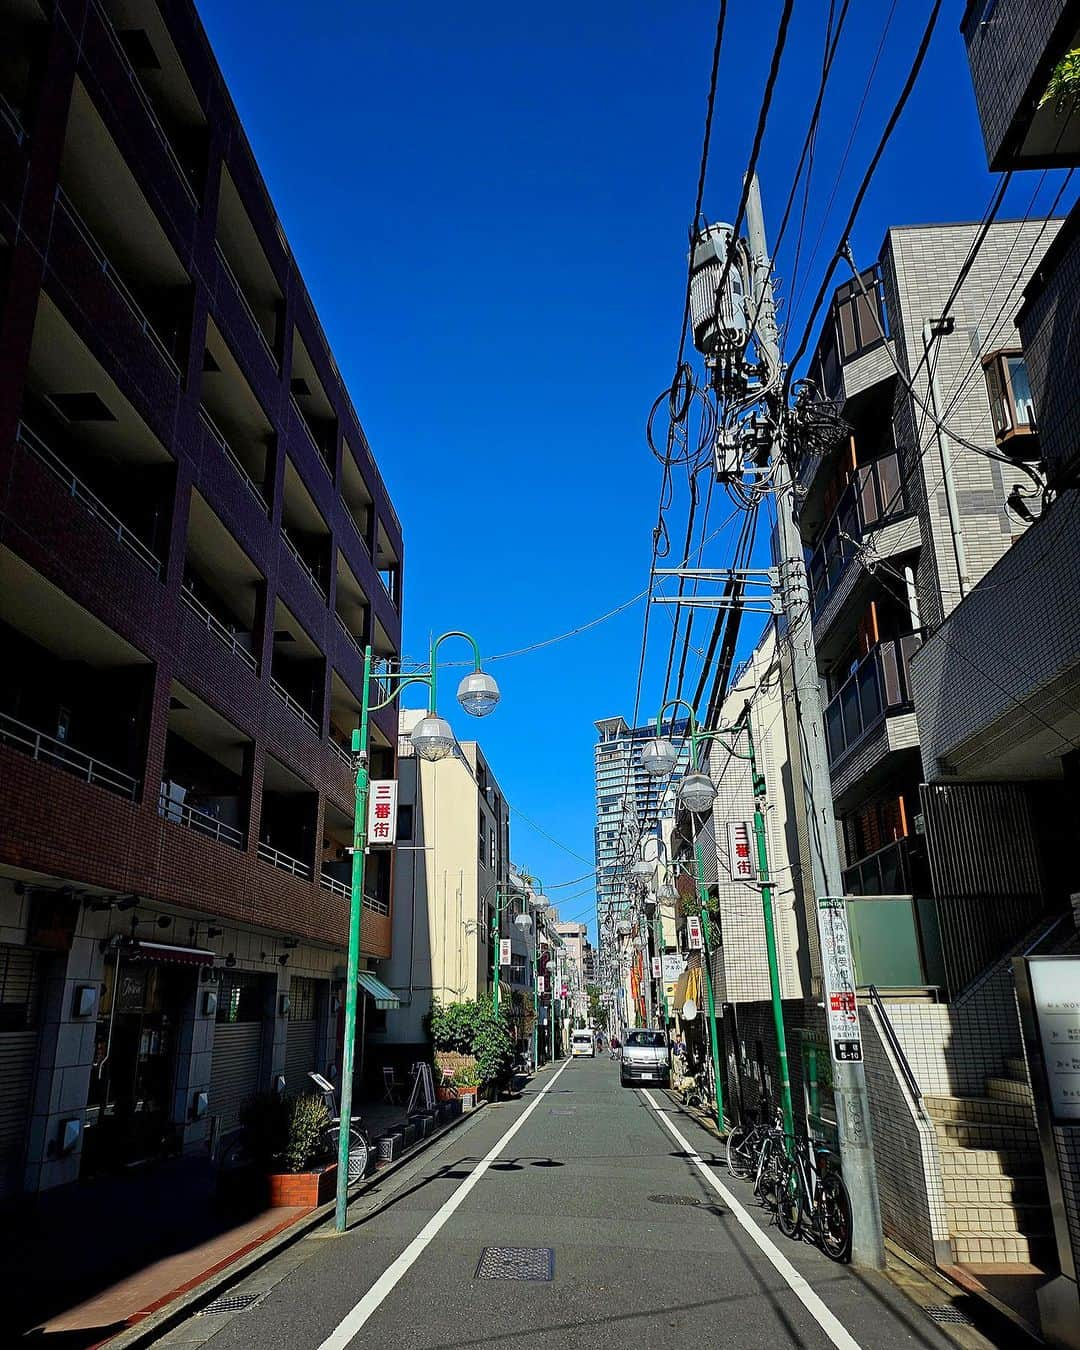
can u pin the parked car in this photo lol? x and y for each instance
(582, 1042)
(645, 1058)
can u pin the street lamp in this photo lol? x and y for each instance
(504, 896)
(433, 739)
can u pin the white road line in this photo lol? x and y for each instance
(811, 1301)
(355, 1319)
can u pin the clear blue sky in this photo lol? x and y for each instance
(490, 206)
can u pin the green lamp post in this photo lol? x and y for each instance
(432, 739)
(504, 897)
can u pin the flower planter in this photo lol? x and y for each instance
(302, 1188)
(467, 1098)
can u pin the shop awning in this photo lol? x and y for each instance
(385, 999)
(167, 953)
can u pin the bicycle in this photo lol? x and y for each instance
(743, 1146)
(771, 1157)
(825, 1199)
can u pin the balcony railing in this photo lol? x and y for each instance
(285, 861)
(219, 437)
(215, 626)
(348, 633)
(332, 884)
(341, 753)
(878, 685)
(376, 905)
(9, 116)
(199, 821)
(319, 451)
(49, 750)
(118, 282)
(304, 565)
(144, 99)
(297, 709)
(359, 532)
(245, 303)
(78, 490)
(874, 496)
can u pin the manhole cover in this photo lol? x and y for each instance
(231, 1303)
(516, 1263)
(944, 1313)
(674, 1200)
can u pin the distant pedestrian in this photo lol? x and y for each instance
(678, 1046)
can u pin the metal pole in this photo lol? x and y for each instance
(356, 893)
(714, 1035)
(853, 1113)
(536, 996)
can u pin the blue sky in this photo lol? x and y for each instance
(490, 207)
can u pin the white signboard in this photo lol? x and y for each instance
(541, 984)
(504, 952)
(693, 932)
(1055, 988)
(841, 1007)
(674, 965)
(740, 851)
(657, 967)
(382, 811)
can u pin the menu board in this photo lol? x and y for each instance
(1055, 991)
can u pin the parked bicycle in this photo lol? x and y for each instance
(810, 1190)
(743, 1147)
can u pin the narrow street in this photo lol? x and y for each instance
(644, 1248)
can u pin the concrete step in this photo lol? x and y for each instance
(1016, 1068)
(957, 1161)
(973, 1245)
(987, 1217)
(977, 1188)
(968, 1134)
(1009, 1090)
(980, 1110)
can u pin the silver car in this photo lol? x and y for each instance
(645, 1058)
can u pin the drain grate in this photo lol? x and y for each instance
(231, 1303)
(563, 1110)
(946, 1314)
(674, 1200)
(516, 1263)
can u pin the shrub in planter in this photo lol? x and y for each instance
(307, 1122)
(265, 1118)
(473, 1028)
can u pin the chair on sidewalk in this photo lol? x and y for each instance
(393, 1087)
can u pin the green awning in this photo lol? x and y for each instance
(385, 999)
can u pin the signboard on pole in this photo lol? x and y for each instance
(741, 862)
(657, 968)
(541, 984)
(673, 965)
(841, 1007)
(382, 811)
(693, 932)
(505, 958)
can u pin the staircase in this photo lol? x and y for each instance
(992, 1171)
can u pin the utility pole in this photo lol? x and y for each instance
(849, 1079)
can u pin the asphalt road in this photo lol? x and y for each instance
(646, 1252)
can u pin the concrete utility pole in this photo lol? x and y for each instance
(849, 1079)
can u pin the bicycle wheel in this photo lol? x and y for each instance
(359, 1153)
(738, 1160)
(765, 1190)
(834, 1217)
(789, 1199)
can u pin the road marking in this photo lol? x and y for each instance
(356, 1318)
(799, 1286)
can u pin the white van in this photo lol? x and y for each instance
(582, 1042)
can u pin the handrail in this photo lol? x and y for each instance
(341, 752)
(199, 821)
(319, 451)
(78, 490)
(897, 1049)
(351, 636)
(49, 749)
(215, 626)
(374, 904)
(276, 858)
(9, 114)
(137, 312)
(332, 884)
(144, 98)
(230, 454)
(305, 566)
(297, 709)
(234, 282)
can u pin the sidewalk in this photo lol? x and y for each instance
(86, 1261)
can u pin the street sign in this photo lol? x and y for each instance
(657, 968)
(541, 985)
(674, 965)
(741, 861)
(841, 1007)
(693, 932)
(505, 958)
(382, 811)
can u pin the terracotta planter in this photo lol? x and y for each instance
(302, 1188)
(446, 1094)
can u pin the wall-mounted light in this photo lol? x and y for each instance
(279, 1085)
(209, 1002)
(335, 1005)
(84, 1004)
(230, 960)
(283, 959)
(214, 932)
(284, 1004)
(200, 1104)
(70, 1134)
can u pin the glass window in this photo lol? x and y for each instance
(1021, 390)
(1009, 392)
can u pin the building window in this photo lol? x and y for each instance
(240, 998)
(302, 995)
(492, 851)
(405, 822)
(1011, 404)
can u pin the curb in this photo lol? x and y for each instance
(145, 1327)
(703, 1118)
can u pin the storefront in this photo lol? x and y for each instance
(238, 1044)
(20, 1001)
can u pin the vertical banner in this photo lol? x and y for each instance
(741, 861)
(841, 1008)
(657, 968)
(693, 932)
(504, 952)
(382, 811)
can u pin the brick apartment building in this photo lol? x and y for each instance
(195, 544)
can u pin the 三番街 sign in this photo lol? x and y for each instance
(382, 811)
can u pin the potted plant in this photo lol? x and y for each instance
(302, 1176)
(467, 1084)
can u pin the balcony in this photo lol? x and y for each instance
(312, 406)
(900, 868)
(878, 686)
(214, 626)
(247, 272)
(293, 706)
(49, 750)
(202, 822)
(276, 858)
(873, 497)
(302, 562)
(332, 884)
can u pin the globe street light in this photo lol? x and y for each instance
(433, 738)
(659, 758)
(478, 694)
(697, 792)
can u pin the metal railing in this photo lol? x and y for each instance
(878, 685)
(285, 861)
(357, 529)
(78, 491)
(144, 99)
(230, 454)
(215, 626)
(332, 884)
(199, 821)
(305, 566)
(376, 905)
(350, 635)
(234, 282)
(49, 750)
(319, 451)
(297, 709)
(873, 496)
(9, 115)
(137, 312)
(897, 1049)
(341, 753)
